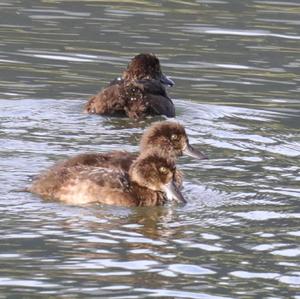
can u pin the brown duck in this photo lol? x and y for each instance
(149, 182)
(140, 92)
(168, 137)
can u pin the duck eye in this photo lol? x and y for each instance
(174, 137)
(163, 170)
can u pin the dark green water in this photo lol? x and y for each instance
(236, 67)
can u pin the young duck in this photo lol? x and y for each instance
(149, 182)
(168, 137)
(140, 92)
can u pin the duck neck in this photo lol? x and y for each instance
(146, 196)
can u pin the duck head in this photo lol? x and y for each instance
(171, 138)
(146, 66)
(155, 171)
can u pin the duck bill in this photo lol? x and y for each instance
(173, 193)
(166, 80)
(194, 153)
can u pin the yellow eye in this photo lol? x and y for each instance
(174, 137)
(163, 170)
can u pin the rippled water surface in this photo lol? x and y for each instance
(236, 67)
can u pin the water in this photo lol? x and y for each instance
(236, 67)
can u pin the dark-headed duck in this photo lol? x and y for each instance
(149, 182)
(144, 66)
(139, 93)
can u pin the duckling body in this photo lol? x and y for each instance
(108, 177)
(139, 93)
(52, 179)
(168, 137)
(148, 183)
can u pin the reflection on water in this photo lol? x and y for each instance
(235, 64)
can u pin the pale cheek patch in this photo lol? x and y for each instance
(169, 194)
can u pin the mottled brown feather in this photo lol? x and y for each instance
(138, 94)
(82, 184)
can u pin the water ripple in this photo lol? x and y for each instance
(236, 70)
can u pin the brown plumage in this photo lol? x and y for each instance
(143, 66)
(139, 93)
(168, 137)
(114, 159)
(149, 182)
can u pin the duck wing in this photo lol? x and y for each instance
(160, 105)
(88, 184)
(115, 159)
(155, 97)
(103, 177)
